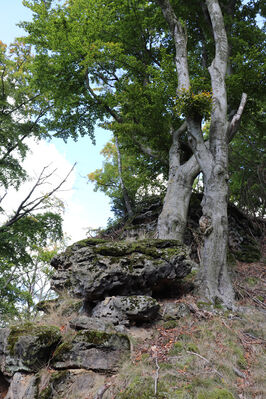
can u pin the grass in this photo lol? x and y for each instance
(200, 358)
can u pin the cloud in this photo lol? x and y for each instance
(81, 205)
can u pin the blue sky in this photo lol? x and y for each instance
(85, 208)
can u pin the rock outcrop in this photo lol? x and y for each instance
(114, 284)
(94, 269)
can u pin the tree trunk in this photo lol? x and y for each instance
(173, 218)
(122, 185)
(214, 279)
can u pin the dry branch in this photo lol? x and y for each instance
(28, 205)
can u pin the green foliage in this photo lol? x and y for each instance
(139, 176)
(194, 105)
(216, 394)
(26, 250)
(247, 165)
(28, 243)
(114, 63)
(18, 114)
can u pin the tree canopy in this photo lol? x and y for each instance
(113, 62)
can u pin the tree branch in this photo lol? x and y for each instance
(148, 150)
(235, 122)
(179, 35)
(99, 100)
(21, 105)
(27, 205)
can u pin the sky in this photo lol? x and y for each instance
(84, 208)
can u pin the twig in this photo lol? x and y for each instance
(257, 301)
(102, 390)
(207, 361)
(156, 378)
(253, 337)
(239, 373)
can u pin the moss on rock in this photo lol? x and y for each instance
(45, 336)
(61, 350)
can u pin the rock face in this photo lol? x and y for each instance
(23, 386)
(26, 348)
(70, 384)
(91, 350)
(111, 284)
(174, 311)
(27, 351)
(94, 269)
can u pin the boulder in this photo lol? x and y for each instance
(94, 269)
(26, 348)
(53, 384)
(67, 384)
(92, 350)
(126, 309)
(173, 310)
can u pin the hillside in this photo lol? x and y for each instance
(128, 323)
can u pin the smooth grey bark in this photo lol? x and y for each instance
(214, 280)
(173, 218)
(121, 181)
(214, 277)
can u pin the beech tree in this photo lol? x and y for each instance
(113, 62)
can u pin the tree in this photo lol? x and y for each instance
(215, 283)
(24, 251)
(35, 224)
(114, 62)
(126, 78)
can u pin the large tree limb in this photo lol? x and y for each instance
(179, 35)
(235, 122)
(220, 37)
(217, 70)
